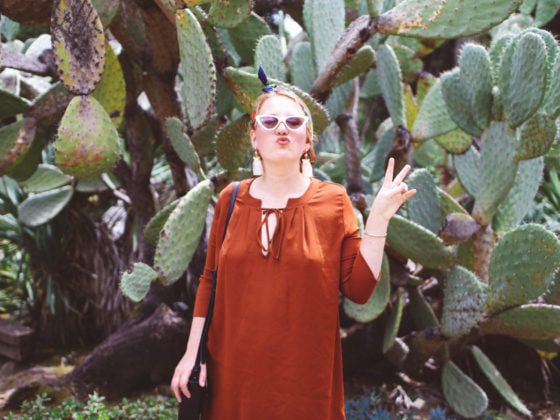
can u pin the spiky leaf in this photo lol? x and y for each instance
(536, 136)
(462, 393)
(535, 321)
(497, 170)
(418, 243)
(521, 266)
(424, 207)
(520, 198)
(389, 73)
(377, 301)
(79, 45)
(229, 14)
(552, 97)
(233, 144)
(182, 144)
(522, 77)
(445, 19)
(302, 70)
(455, 141)
(358, 64)
(394, 322)
(324, 24)
(155, 225)
(432, 119)
(269, 55)
(552, 295)
(467, 165)
(136, 284)
(181, 233)
(15, 141)
(449, 204)
(87, 143)
(463, 303)
(40, 208)
(199, 73)
(244, 37)
(111, 90)
(496, 379)
(421, 312)
(457, 97)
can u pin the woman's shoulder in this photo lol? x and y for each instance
(329, 188)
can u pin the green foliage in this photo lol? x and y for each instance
(462, 393)
(198, 70)
(135, 284)
(87, 141)
(389, 74)
(39, 208)
(80, 66)
(96, 407)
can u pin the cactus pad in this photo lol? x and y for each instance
(111, 90)
(463, 303)
(199, 73)
(233, 144)
(522, 77)
(424, 207)
(497, 170)
(521, 267)
(243, 37)
(79, 45)
(324, 24)
(432, 119)
(301, 66)
(419, 244)
(389, 74)
(228, 14)
(462, 393)
(446, 19)
(458, 228)
(467, 165)
(536, 321)
(182, 144)
(377, 301)
(520, 198)
(498, 381)
(181, 232)
(87, 141)
(358, 64)
(393, 324)
(40, 208)
(136, 284)
(15, 142)
(536, 136)
(155, 225)
(421, 312)
(269, 55)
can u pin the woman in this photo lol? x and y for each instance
(292, 246)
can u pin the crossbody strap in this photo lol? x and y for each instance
(202, 347)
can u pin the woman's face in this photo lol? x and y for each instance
(281, 144)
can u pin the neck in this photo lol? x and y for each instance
(283, 178)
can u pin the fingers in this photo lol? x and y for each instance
(179, 385)
(402, 174)
(389, 171)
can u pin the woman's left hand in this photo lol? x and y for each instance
(393, 193)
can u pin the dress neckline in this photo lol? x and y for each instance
(292, 201)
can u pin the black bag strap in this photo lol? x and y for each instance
(201, 356)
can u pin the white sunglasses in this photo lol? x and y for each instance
(271, 122)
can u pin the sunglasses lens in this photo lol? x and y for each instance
(268, 122)
(294, 122)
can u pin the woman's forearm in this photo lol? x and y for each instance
(373, 243)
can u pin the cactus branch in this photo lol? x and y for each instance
(355, 36)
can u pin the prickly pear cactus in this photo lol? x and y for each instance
(181, 233)
(136, 284)
(79, 45)
(87, 142)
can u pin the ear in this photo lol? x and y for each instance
(253, 138)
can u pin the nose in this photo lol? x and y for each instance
(284, 127)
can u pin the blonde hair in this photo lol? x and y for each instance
(279, 91)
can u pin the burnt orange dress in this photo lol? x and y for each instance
(274, 341)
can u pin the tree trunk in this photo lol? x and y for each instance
(133, 358)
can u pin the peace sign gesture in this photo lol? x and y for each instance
(393, 193)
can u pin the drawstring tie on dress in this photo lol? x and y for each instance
(274, 241)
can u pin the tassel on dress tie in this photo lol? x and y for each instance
(274, 241)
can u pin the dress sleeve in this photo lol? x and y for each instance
(357, 281)
(205, 281)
